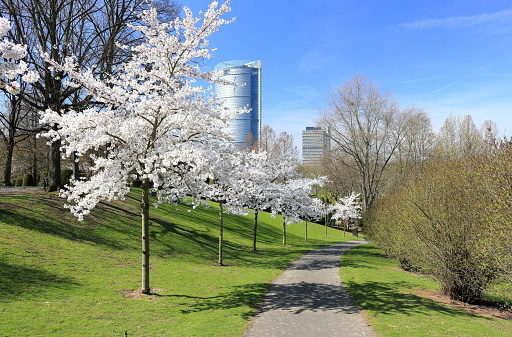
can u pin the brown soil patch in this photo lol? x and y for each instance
(484, 308)
(137, 294)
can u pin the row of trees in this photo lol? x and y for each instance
(153, 122)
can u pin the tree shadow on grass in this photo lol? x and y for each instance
(45, 213)
(204, 239)
(249, 295)
(386, 298)
(61, 227)
(22, 282)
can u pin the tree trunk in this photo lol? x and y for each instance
(8, 163)
(76, 167)
(254, 231)
(221, 233)
(306, 232)
(284, 231)
(145, 237)
(326, 223)
(54, 167)
(35, 166)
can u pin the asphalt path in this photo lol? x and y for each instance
(13, 189)
(308, 300)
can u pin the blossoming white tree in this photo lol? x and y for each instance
(12, 64)
(158, 125)
(293, 200)
(346, 208)
(231, 183)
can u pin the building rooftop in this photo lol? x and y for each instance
(238, 63)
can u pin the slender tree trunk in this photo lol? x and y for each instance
(145, 237)
(54, 166)
(221, 233)
(284, 231)
(306, 232)
(8, 163)
(326, 223)
(76, 167)
(35, 166)
(254, 231)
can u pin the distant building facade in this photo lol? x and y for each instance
(315, 143)
(246, 127)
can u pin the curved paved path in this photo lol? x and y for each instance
(309, 300)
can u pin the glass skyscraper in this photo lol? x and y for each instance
(315, 143)
(246, 127)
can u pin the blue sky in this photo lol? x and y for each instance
(445, 57)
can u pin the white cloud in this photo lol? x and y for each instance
(498, 19)
(308, 93)
(315, 61)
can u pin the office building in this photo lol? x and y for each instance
(315, 143)
(246, 127)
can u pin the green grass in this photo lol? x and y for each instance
(61, 277)
(392, 300)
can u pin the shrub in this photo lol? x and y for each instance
(65, 176)
(434, 223)
(28, 180)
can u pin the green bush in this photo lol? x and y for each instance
(433, 223)
(65, 176)
(28, 180)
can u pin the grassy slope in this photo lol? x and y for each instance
(61, 277)
(394, 305)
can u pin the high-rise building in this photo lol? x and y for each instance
(315, 143)
(246, 127)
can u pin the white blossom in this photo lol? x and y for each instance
(346, 208)
(12, 66)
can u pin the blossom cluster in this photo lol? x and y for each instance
(12, 64)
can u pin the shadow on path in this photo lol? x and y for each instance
(304, 296)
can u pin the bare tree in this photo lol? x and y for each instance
(267, 138)
(459, 137)
(340, 169)
(15, 128)
(490, 132)
(281, 146)
(418, 141)
(368, 127)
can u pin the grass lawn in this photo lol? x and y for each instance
(395, 302)
(61, 277)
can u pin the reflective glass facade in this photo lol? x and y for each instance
(246, 127)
